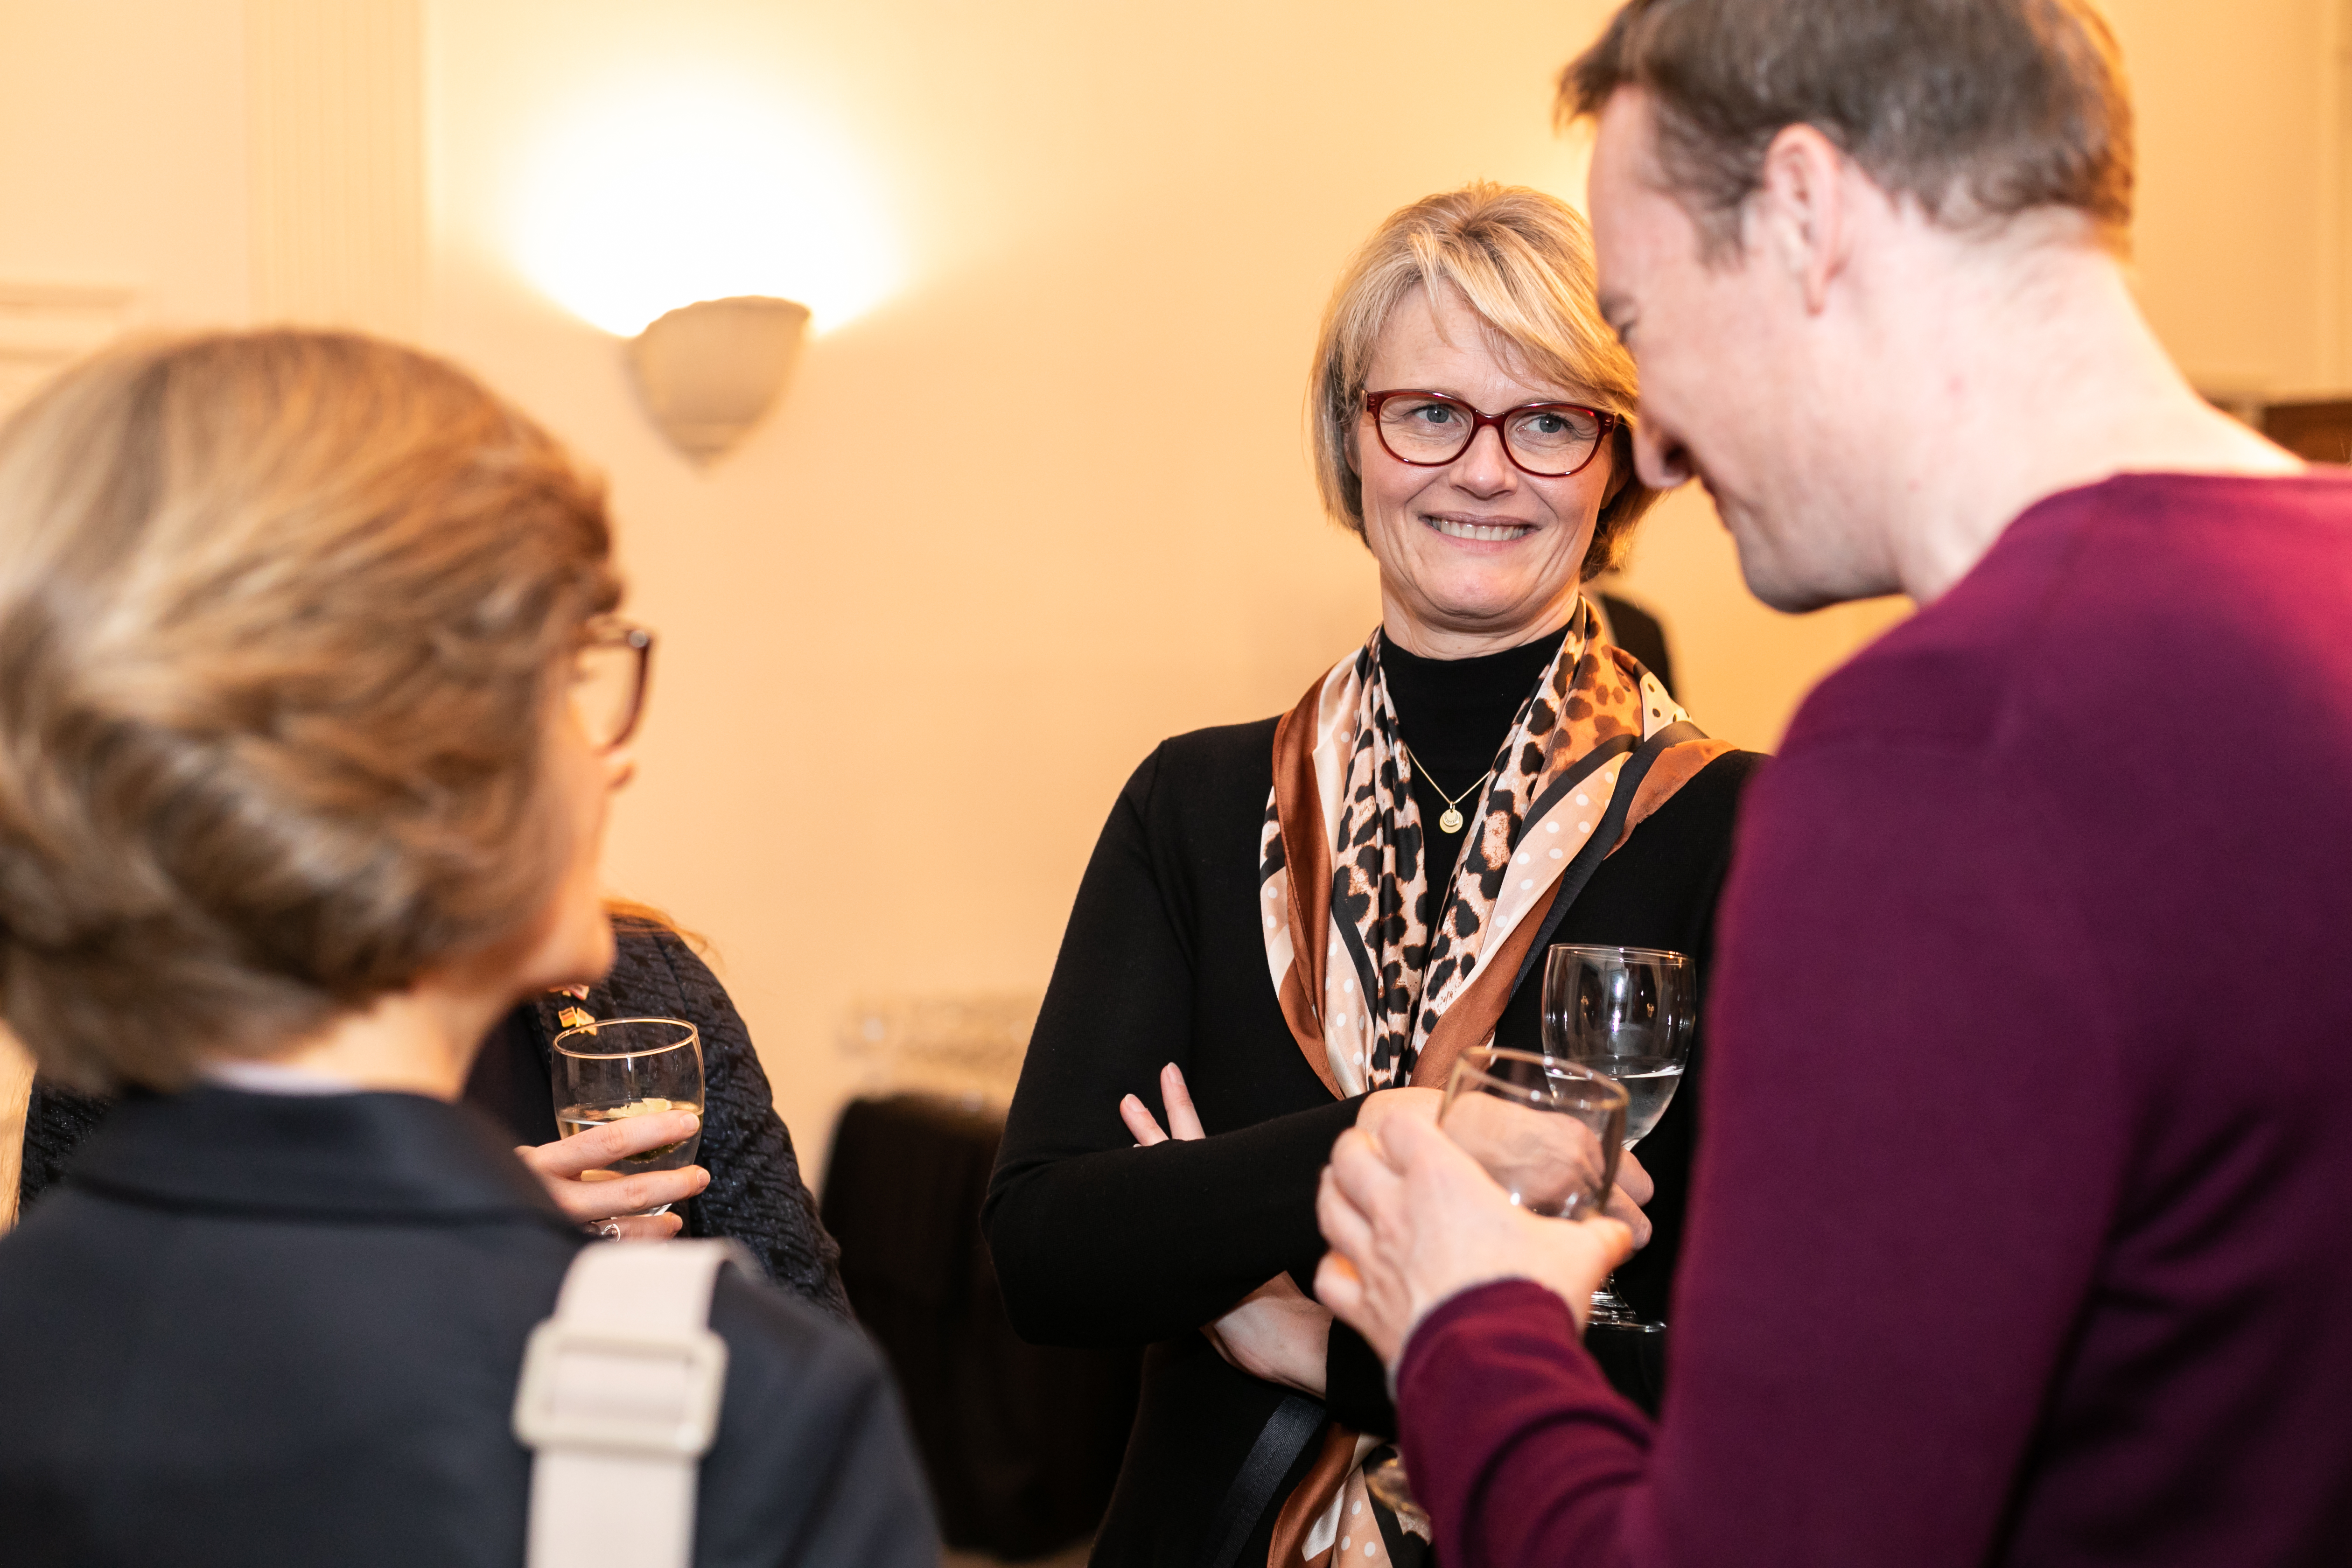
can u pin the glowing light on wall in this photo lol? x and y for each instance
(653, 198)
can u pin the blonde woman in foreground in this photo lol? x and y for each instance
(296, 801)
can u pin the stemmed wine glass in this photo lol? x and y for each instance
(622, 1068)
(1627, 1013)
(1548, 1131)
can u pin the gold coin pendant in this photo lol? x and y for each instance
(1449, 821)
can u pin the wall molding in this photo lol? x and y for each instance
(44, 327)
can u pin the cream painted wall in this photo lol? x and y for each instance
(123, 150)
(908, 660)
(2240, 231)
(122, 167)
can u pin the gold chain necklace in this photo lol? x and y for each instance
(1450, 819)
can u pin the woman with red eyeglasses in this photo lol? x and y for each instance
(1296, 925)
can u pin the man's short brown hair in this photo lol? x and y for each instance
(1977, 110)
(283, 617)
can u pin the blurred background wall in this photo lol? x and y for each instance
(920, 627)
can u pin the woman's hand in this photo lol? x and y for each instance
(1628, 1196)
(1412, 1220)
(1383, 1103)
(1275, 1332)
(615, 1208)
(1183, 1122)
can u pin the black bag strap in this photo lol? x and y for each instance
(1596, 849)
(1279, 1443)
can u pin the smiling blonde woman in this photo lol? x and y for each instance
(1293, 926)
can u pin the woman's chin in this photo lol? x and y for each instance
(1477, 606)
(578, 951)
(1488, 576)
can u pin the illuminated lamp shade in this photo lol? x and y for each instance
(708, 372)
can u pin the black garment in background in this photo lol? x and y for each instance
(1099, 1243)
(512, 1081)
(756, 1195)
(261, 1329)
(1020, 1441)
(1639, 632)
(56, 1122)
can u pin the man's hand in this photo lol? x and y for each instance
(1412, 1220)
(1627, 1196)
(614, 1207)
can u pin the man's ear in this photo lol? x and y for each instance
(1798, 218)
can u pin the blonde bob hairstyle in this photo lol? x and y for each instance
(1522, 261)
(283, 617)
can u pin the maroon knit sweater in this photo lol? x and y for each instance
(2021, 1226)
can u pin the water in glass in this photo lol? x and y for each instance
(1627, 1012)
(623, 1067)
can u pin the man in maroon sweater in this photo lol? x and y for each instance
(2022, 1221)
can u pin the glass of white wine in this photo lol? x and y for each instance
(622, 1068)
(1549, 1132)
(1628, 1013)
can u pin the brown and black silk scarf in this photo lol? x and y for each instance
(1383, 985)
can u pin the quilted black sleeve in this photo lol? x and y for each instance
(756, 1195)
(55, 1121)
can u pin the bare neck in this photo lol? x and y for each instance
(422, 1040)
(2018, 368)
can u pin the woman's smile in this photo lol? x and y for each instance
(1482, 530)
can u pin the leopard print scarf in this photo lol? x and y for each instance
(1387, 977)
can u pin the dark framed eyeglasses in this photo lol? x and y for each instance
(609, 677)
(1430, 429)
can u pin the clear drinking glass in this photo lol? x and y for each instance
(622, 1068)
(1547, 1131)
(1629, 1013)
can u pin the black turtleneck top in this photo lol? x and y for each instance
(1097, 1242)
(1455, 715)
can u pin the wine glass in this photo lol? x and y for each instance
(620, 1067)
(1548, 1131)
(1627, 1012)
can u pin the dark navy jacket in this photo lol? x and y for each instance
(256, 1329)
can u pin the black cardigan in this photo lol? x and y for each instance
(1100, 1242)
(756, 1195)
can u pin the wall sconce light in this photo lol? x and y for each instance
(708, 372)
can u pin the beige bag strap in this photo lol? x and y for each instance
(619, 1400)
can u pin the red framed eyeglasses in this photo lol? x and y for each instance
(1430, 429)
